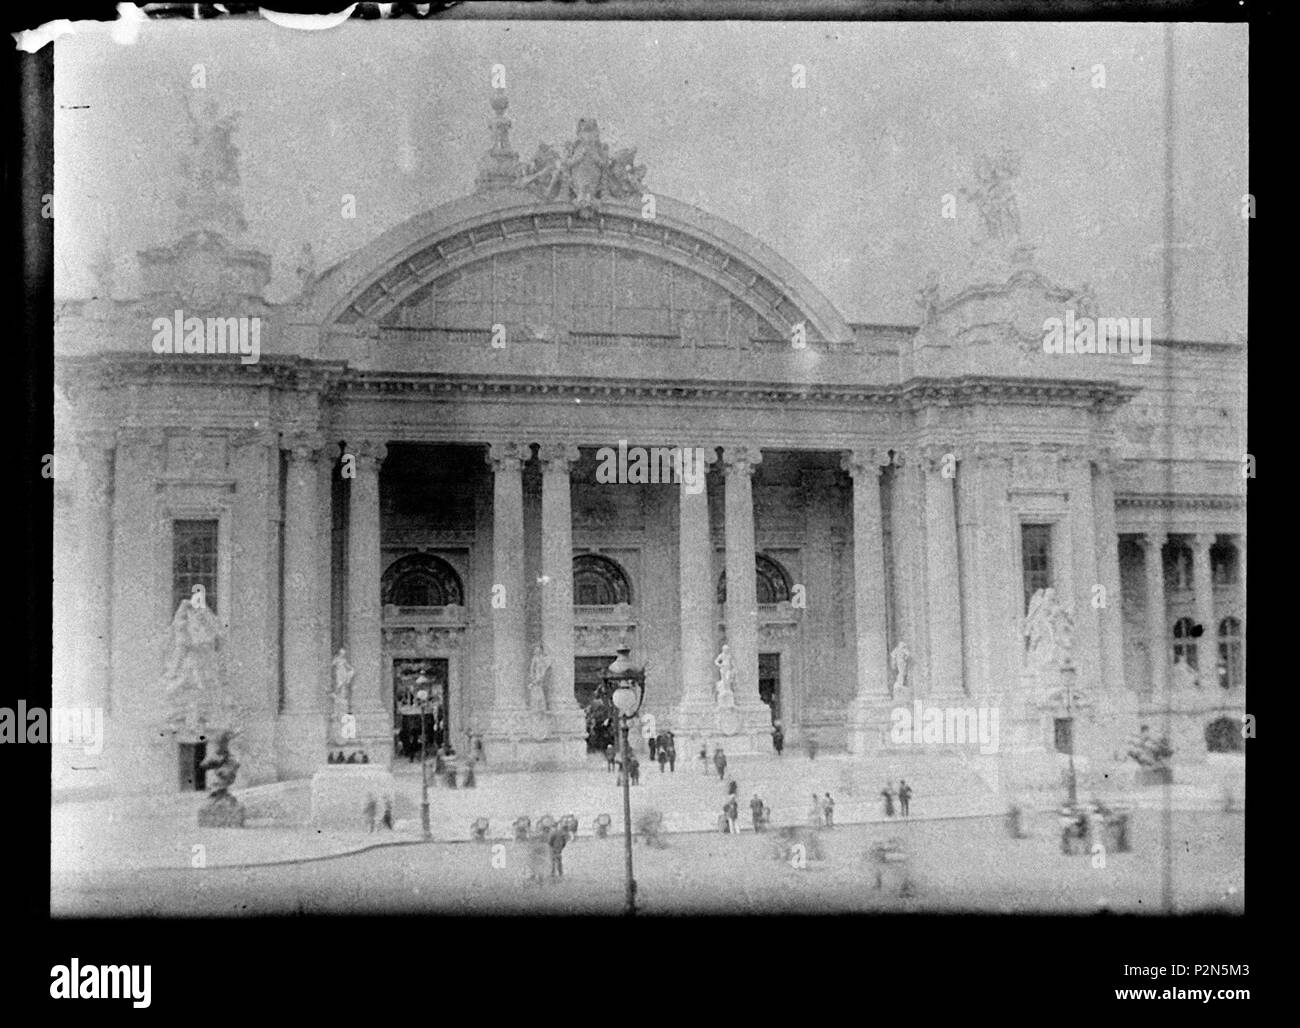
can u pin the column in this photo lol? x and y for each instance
(868, 575)
(1111, 616)
(306, 660)
(1084, 573)
(509, 637)
(557, 572)
(995, 597)
(942, 579)
(695, 587)
(1153, 565)
(93, 573)
(908, 520)
(371, 697)
(742, 591)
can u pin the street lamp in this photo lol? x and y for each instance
(422, 698)
(625, 684)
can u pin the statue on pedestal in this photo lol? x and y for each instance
(1048, 629)
(900, 659)
(194, 681)
(726, 677)
(344, 672)
(222, 809)
(537, 670)
(1184, 675)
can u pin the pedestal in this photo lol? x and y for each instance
(535, 739)
(737, 729)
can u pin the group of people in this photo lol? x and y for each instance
(663, 748)
(903, 793)
(372, 813)
(822, 813)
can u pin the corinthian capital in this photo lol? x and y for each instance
(741, 460)
(508, 456)
(302, 445)
(558, 457)
(865, 463)
(368, 451)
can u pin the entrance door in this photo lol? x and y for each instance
(192, 774)
(588, 674)
(409, 676)
(769, 682)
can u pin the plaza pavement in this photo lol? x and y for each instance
(162, 832)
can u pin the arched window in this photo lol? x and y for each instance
(422, 580)
(1185, 642)
(1230, 653)
(770, 578)
(599, 582)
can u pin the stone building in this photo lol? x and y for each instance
(411, 470)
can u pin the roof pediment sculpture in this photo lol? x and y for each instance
(585, 173)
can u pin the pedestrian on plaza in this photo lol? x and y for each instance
(904, 795)
(756, 807)
(439, 765)
(557, 840)
(388, 814)
(810, 742)
(653, 743)
(609, 756)
(470, 782)
(371, 811)
(887, 793)
(663, 758)
(778, 738)
(815, 812)
(828, 810)
(672, 755)
(634, 766)
(732, 810)
(720, 761)
(703, 758)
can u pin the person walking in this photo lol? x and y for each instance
(828, 810)
(732, 810)
(756, 809)
(703, 758)
(663, 758)
(810, 743)
(371, 812)
(653, 742)
(557, 840)
(887, 793)
(635, 767)
(815, 814)
(904, 795)
(388, 814)
(672, 755)
(609, 756)
(778, 738)
(720, 762)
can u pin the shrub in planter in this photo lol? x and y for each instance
(521, 826)
(601, 825)
(478, 829)
(650, 828)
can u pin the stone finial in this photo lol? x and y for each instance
(499, 168)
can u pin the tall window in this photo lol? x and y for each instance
(1230, 652)
(194, 560)
(1223, 564)
(1035, 558)
(1185, 642)
(1178, 567)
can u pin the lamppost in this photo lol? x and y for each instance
(625, 684)
(422, 698)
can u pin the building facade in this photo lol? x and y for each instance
(415, 470)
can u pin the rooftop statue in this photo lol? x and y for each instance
(210, 198)
(583, 173)
(995, 199)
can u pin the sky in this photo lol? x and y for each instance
(845, 177)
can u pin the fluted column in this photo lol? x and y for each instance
(868, 574)
(1203, 585)
(509, 626)
(1110, 617)
(742, 591)
(943, 592)
(93, 469)
(371, 701)
(695, 588)
(1153, 566)
(306, 661)
(557, 570)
